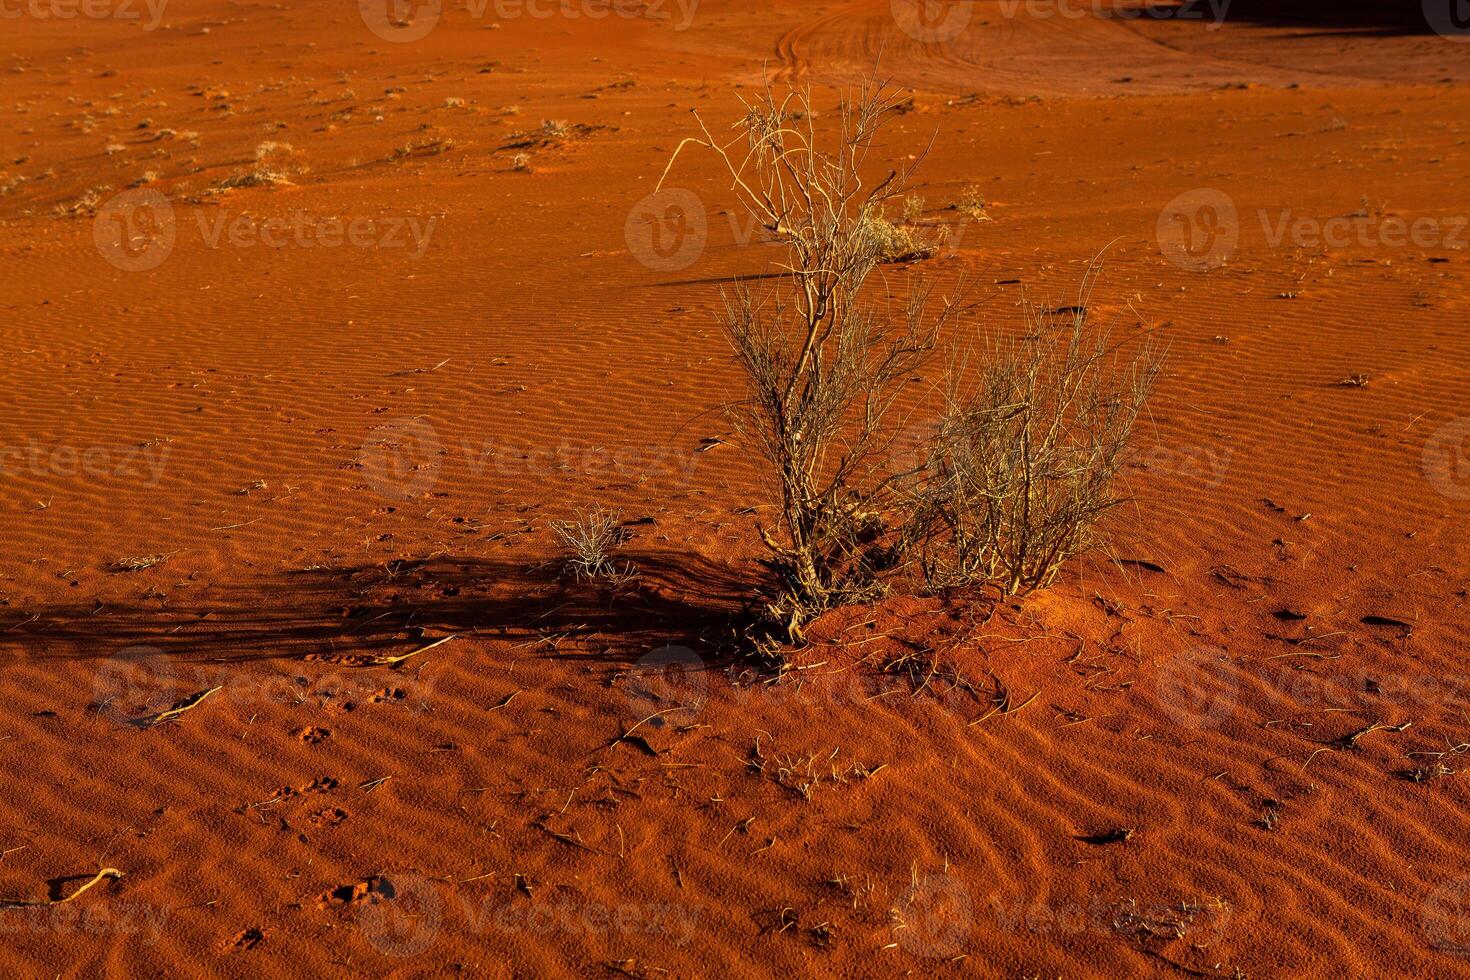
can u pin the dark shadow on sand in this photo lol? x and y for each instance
(1361, 18)
(386, 610)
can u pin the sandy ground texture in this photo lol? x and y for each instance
(316, 317)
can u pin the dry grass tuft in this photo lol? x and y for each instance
(275, 164)
(972, 203)
(424, 146)
(551, 132)
(902, 242)
(84, 206)
(802, 775)
(136, 564)
(593, 538)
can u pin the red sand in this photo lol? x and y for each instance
(351, 445)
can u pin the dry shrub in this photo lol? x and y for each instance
(423, 146)
(1025, 464)
(824, 363)
(84, 206)
(897, 242)
(551, 133)
(1022, 467)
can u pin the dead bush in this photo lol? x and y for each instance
(1026, 462)
(824, 360)
(1022, 466)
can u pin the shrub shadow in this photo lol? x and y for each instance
(1385, 18)
(389, 609)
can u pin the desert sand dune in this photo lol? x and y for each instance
(374, 319)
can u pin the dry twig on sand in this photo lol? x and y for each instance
(393, 661)
(12, 903)
(179, 707)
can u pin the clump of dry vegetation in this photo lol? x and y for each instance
(275, 163)
(136, 563)
(593, 538)
(424, 146)
(1021, 467)
(551, 132)
(804, 774)
(901, 242)
(84, 206)
(824, 365)
(972, 203)
(1026, 461)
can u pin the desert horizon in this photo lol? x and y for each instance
(662, 488)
